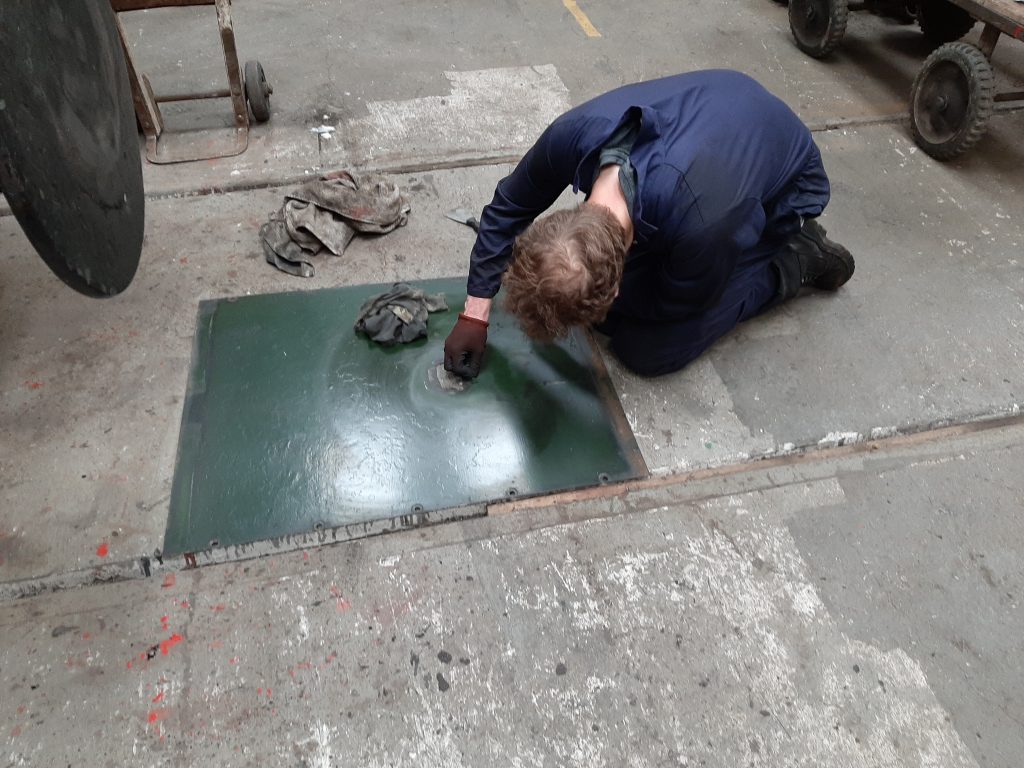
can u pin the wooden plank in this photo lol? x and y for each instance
(1006, 15)
(144, 5)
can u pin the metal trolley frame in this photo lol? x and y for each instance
(954, 93)
(247, 91)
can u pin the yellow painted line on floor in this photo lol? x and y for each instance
(581, 18)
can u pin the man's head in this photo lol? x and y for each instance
(566, 269)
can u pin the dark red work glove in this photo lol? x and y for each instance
(464, 347)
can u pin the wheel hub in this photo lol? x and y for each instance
(943, 101)
(813, 20)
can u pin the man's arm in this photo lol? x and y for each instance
(532, 187)
(537, 181)
(478, 308)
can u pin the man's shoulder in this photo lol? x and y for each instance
(577, 132)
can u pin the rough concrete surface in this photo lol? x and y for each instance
(855, 606)
(684, 625)
(336, 64)
(950, 595)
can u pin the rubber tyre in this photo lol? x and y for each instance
(951, 100)
(943, 22)
(257, 92)
(818, 26)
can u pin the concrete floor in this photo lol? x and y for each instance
(852, 610)
(867, 597)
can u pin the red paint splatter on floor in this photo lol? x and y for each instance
(164, 622)
(233, 660)
(218, 607)
(305, 555)
(15, 731)
(343, 604)
(33, 384)
(86, 636)
(21, 709)
(169, 580)
(268, 693)
(259, 691)
(158, 698)
(156, 715)
(183, 260)
(102, 550)
(128, 664)
(173, 640)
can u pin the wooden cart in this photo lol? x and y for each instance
(954, 94)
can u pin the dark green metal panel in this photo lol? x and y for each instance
(293, 422)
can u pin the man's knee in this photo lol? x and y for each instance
(646, 359)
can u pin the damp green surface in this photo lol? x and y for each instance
(293, 422)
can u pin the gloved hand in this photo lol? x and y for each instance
(464, 347)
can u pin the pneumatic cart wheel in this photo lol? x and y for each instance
(818, 25)
(257, 91)
(951, 100)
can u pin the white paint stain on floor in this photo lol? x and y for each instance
(688, 634)
(487, 111)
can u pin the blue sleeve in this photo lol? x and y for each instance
(537, 181)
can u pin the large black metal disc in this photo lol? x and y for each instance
(69, 153)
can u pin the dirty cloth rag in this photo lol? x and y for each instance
(398, 316)
(325, 214)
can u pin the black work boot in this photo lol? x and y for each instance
(810, 258)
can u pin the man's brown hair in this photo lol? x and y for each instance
(566, 269)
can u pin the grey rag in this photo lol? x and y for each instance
(325, 214)
(398, 316)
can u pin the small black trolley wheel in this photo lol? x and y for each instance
(818, 25)
(943, 22)
(257, 91)
(951, 100)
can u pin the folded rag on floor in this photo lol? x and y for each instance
(398, 316)
(325, 214)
